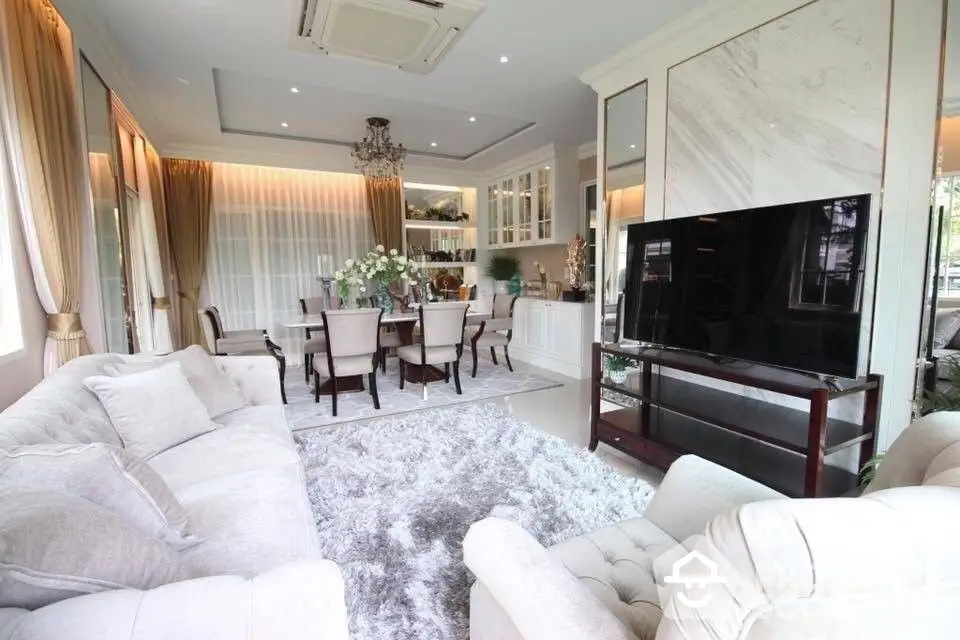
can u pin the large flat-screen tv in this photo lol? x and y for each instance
(779, 285)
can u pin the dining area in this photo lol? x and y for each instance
(379, 341)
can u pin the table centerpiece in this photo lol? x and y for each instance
(386, 271)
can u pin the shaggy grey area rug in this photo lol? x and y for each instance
(394, 498)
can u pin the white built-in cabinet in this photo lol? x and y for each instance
(553, 335)
(536, 203)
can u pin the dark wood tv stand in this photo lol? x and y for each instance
(779, 446)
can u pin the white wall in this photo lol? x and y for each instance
(911, 124)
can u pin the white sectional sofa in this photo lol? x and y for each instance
(885, 565)
(243, 488)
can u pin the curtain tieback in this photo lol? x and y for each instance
(161, 303)
(188, 296)
(64, 326)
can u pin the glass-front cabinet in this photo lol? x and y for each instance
(539, 204)
(508, 202)
(493, 214)
(544, 229)
(525, 211)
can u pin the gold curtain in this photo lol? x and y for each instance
(385, 201)
(49, 136)
(155, 175)
(187, 186)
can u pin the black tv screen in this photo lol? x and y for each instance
(779, 285)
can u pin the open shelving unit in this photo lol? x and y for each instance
(779, 446)
(441, 235)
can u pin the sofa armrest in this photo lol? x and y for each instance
(257, 377)
(695, 490)
(298, 600)
(543, 600)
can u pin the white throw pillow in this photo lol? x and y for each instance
(215, 389)
(152, 411)
(55, 546)
(107, 476)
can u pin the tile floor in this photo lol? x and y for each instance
(564, 411)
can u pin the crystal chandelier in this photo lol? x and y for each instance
(376, 155)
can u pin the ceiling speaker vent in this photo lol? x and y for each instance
(411, 34)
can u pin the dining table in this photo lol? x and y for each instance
(402, 321)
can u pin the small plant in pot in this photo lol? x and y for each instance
(502, 268)
(617, 368)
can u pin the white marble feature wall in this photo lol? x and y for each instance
(794, 110)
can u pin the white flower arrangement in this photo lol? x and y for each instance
(377, 267)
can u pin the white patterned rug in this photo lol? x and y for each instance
(492, 381)
(393, 499)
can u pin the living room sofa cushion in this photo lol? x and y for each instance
(246, 501)
(946, 325)
(60, 409)
(107, 476)
(216, 391)
(152, 410)
(55, 546)
(616, 565)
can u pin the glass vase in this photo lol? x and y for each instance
(384, 298)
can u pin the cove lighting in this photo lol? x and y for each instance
(431, 187)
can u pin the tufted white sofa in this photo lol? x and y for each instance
(884, 565)
(261, 572)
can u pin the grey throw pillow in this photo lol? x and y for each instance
(152, 411)
(107, 476)
(215, 389)
(55, 546)
(946, 325)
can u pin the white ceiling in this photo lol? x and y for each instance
(238, 61)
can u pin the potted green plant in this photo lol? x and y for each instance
(617, 368)
(503, 267)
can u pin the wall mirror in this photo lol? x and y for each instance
(102, 156)
(624, 179)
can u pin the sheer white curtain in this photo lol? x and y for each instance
(270, 230)
(159, 338)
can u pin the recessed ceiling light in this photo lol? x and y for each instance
(294, 90)
(633, 146)
(433, 144)
(284, 125)
(473, 118)
(182, 80)
(547, 167)
(504, 59)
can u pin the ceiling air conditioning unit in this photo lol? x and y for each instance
(411, 34)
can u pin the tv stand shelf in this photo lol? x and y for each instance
(777, 445)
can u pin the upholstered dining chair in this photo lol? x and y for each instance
(442, 324)
(315, 343)
(353, 346)
(496, 331)
(245, 342)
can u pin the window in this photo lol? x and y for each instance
(948, 270)
(11, 333)
(831, 266)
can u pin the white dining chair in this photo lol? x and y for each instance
(442, 342)
(353, 346)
